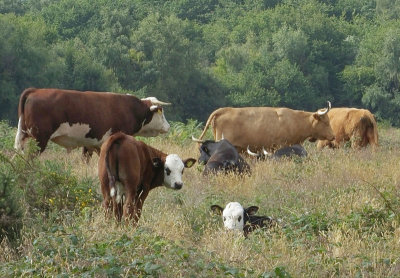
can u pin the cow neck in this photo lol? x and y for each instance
(157, 177)
(146, 104)
(252, 222)
(306, 129)
(141, 110)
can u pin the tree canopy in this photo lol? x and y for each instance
(204, 54)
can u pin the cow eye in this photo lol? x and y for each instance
(224, 219)
(239, 218)
(167, 171)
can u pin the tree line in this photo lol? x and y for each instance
(204, 54)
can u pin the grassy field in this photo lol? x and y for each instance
(340, 212)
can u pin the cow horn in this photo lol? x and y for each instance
(265, 152)
(251, 153)
(326, 109)
(155, 101)
(197, 140)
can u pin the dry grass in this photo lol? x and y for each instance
(339, 209)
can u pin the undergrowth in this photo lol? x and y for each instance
(338, 214)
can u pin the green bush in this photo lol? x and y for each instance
(7, 134)
(10, 212)
(31, 188)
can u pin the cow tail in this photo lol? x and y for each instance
(114, 141)
(18, 144)
(211, 121)
(373, 132)
(370, 131)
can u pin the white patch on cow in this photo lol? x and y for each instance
(18, 138)
(173, 169)
(233, 216)
(157, 125)
(119, 192)
(74, 136)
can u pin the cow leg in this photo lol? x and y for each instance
(42, 139)
(86, 155)
(118, 211)
(139, 204)
(108, 206)
(129, 208)
(356, 141)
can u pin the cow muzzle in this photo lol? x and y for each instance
(178, 185)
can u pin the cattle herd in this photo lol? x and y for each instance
(128, 169)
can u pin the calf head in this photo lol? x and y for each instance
(154, 122)
(172, 169)
(321, 128)
(235, 217)
(207, 149)
(241, 219)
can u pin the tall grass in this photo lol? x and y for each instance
(339, 212)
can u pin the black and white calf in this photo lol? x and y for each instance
(237, 218)
(290, 151)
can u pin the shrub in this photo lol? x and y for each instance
(10, 213)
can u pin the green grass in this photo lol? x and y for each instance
(340, 212)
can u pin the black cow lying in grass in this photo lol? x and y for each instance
(221, 156)
(290, 151)
(237, 218)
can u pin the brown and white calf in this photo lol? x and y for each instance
(129, 169)
(241, 219)
(75, 119)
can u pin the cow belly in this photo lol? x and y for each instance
(74, 136)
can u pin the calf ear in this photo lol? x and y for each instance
(157, 162)
(251, 210)
(189, 162)
(217, 209)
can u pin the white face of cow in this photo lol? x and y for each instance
(173, 170)
(233, 216)
(157, 125)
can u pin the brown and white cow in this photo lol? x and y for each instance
(85, 119)
(128, 169)
(351, 124)
(268, 127)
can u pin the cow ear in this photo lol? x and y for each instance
(156, 109)
(316, 116)
(189, 162)
(217, 209)
(251, 210)
(157, 162)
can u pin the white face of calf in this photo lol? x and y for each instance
(173, 170)
(233, 216)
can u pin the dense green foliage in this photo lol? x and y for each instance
(201, 55)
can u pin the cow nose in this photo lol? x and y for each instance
(178, 185)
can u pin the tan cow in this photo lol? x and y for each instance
(129, 169)
(351, 124)
(268, 127)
